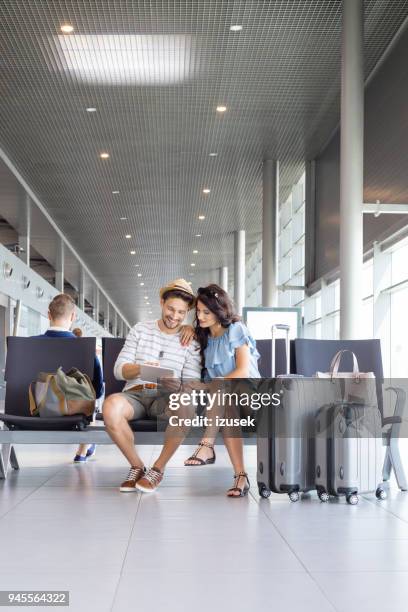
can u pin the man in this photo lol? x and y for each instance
(62, 314)
(155, 342)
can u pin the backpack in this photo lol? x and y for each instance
(60, 394)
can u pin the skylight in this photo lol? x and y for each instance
(143, 59)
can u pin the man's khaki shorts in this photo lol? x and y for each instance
(148, 405)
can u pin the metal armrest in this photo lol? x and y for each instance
(391, 420)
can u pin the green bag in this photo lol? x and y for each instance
(60, 394)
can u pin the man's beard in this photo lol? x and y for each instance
(170, 325)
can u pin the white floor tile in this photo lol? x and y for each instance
(205, 589)
(365, 591)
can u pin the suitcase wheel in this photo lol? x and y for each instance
(381, 493)
(294, 496)
(352, 499)
(323, 496)
(264, 491)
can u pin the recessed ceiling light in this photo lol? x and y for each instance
(123, 218)
(141, 284)
(128, 236)
(192, 265)
(206, 190)
(137, 265)
(213, 154)
(116, 192)
(146, 297)
(150, 312)
(195, 252)
(67, 28)
(236, 28)
(133, 252)
(221, 109)
(139, 274)
(197, 235)
(201, 217)
(147, 303)
(104, 155)
(91, 109)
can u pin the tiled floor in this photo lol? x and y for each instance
(66, 527)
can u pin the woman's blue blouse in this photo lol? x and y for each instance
(220, 352)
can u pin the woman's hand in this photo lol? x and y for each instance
(186, 335)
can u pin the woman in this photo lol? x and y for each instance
(228, 351)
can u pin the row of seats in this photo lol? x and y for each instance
(26, 357)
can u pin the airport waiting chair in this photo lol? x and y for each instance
(26, 357)
(311, 356)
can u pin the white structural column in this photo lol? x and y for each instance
(239, 270)
(59, 267)
(351, 169)
(106, 316)
(81, 296)
(270, 199)
(223, 278)
(24, 230)
(97, 305)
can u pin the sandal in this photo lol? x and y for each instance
(194, 457)
(242, 492)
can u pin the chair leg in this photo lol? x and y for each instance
(5, 450)
(397, 465)
(13, 459)
(387, 467)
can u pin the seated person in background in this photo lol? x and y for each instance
(152, 342)
(62, 314)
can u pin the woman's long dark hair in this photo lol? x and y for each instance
(220, 304)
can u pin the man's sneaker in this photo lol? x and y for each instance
(135, 474)
(150, 481)
(91, 450)
(80, 458)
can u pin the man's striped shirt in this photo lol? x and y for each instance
(146, 342)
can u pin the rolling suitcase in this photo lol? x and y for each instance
(348, 451)
(285, 440)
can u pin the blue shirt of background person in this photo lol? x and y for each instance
(220, 351)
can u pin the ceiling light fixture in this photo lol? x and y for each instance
(67, 28)
(197, 236)
(213, 154)
(195, 252)
(91, 109)
(133, 252)
(104, 155)
(192, 265)
(116, 192)
(128, 236)
(206, 190)
(221, 109)
(201, 217)
(139, 274)
(236, 28)
(123, 218)
(142, 284)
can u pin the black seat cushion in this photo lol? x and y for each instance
(63, 423)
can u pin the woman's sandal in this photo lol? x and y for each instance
(194, 457)
(242, 492)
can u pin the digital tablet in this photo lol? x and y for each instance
(151, 373)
